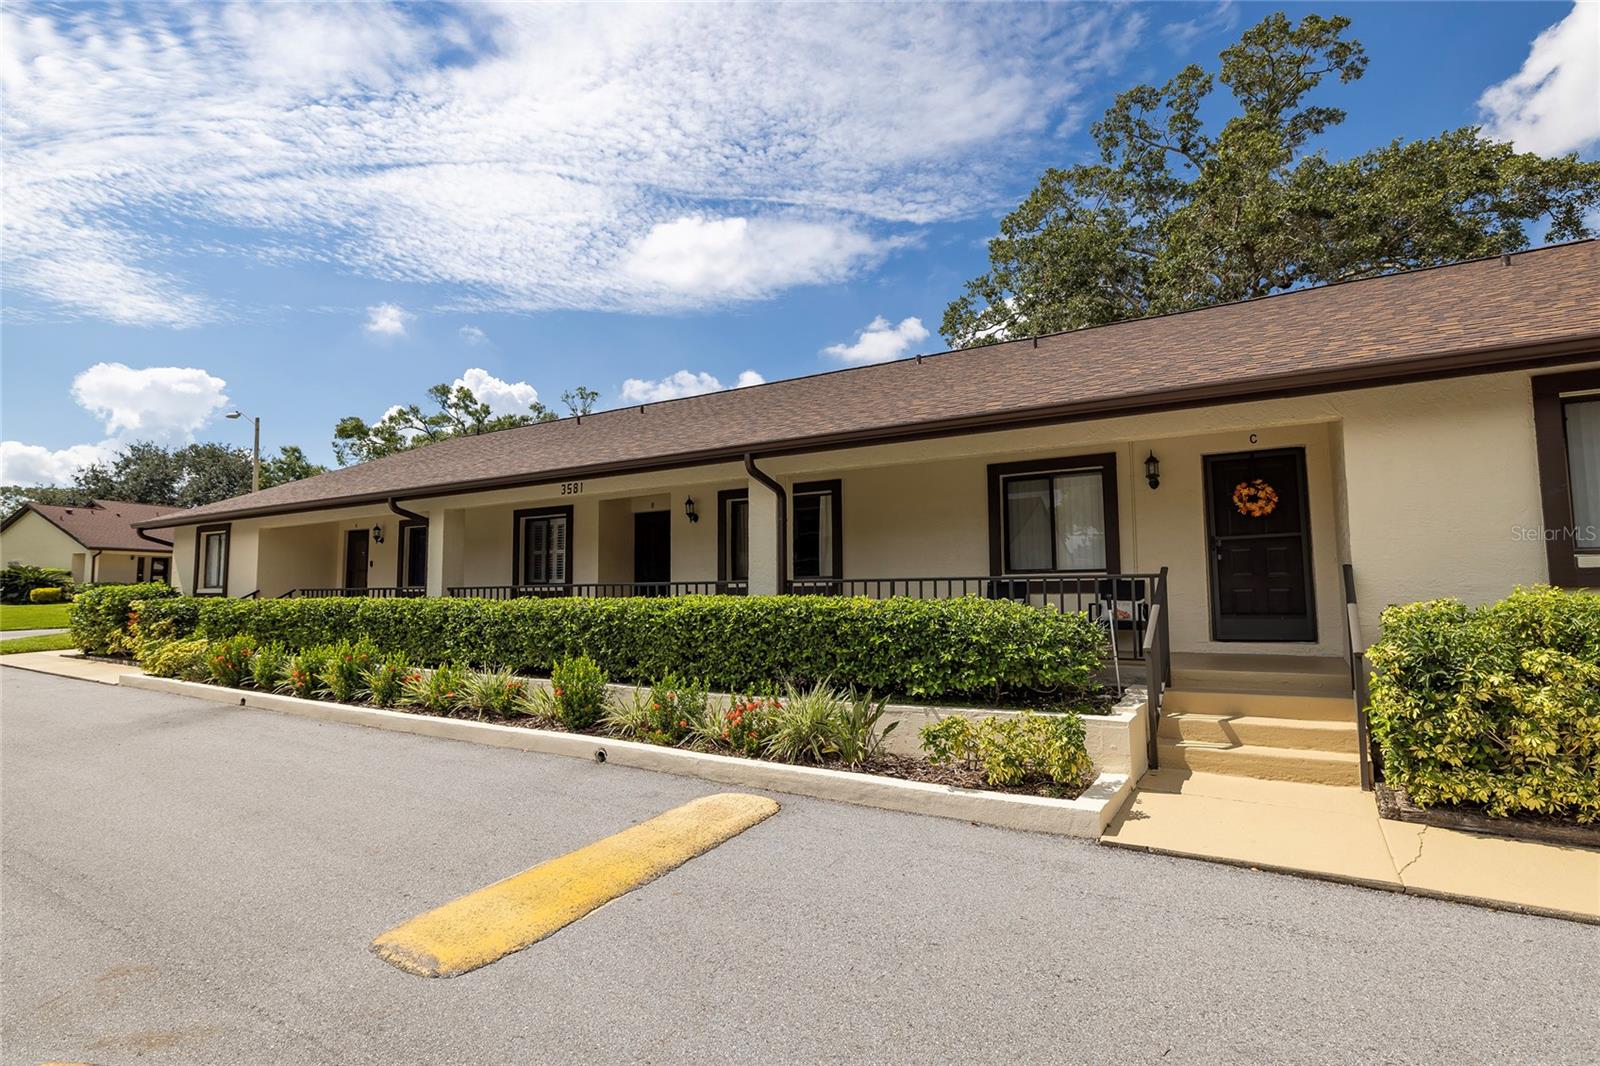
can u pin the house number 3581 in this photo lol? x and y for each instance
(571, 488)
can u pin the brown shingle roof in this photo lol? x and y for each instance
(1441, 320)
(108, 525)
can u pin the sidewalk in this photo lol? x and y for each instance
(1335, 833)
(69, 664)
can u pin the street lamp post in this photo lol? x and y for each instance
(255, 450)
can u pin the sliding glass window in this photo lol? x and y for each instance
(1055, 521)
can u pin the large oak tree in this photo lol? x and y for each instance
(1174, 216)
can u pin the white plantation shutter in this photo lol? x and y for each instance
(558, 549)
(544, 550)
(1583, 466)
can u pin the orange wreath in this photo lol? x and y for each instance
(1255, 499)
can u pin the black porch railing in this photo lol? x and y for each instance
(1123, 603)
(373, 592)
(600, 589)
(1371, 760)
(1157, 647)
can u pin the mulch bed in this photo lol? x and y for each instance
(903, 767)
(1396, 805)
(887, 765)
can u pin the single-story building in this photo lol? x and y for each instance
(98, 542)
(1249, 467)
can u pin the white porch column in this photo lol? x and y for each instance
(447, 531)
(763, 540)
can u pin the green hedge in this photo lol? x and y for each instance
(1496, 707)
(101, 615)
(918, 648)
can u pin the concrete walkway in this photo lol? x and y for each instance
(1335, 833)
(70, 664)
(14, 634)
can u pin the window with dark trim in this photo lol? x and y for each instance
(733, 535)
(411, 569)
(211, 560)
(1054, 516)
(160, 568)
(1566, 425)
(138, 569)
(542, 546)
(818, 530)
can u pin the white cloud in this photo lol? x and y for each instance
(503, 397)
(683, 383)
(388, 320)
(1181, 36)
(1552, 105)
(880, 341)
(527, 157)
(159, 402)
(31, 464)
(702, 260)
(472, 335)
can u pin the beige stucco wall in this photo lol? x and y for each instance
(34, 541)
(121, 567)
(1442, 481)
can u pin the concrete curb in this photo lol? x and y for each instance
(1086, 816)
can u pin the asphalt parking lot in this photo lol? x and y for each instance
(186, 882)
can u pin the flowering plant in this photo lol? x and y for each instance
(579, 688)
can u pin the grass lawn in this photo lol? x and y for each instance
(48, 642)
(33, 616)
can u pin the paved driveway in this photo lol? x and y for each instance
(189, 882)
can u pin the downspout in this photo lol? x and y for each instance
(783, 518)
(403, 513)
(94, 567)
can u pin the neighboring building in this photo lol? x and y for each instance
(1437, 431)
(94, 543)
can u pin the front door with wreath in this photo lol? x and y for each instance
(1259, 534)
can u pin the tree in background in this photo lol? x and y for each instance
(1173, 217)
(459, 414)
(186, 476)
(290, 464)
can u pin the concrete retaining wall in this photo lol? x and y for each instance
(1085, 816)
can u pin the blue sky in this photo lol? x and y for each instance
(308, 212)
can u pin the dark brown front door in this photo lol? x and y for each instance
(652, 549)
(1260, 541)
(355, 559)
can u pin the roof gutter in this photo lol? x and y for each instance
(1463, 363)
(782, 499)
(403, 513)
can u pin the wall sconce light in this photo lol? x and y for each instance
(688, 509)
(1152, 471)
(377, 534)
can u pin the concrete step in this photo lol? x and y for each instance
(1300, 734)
(1320, 708)
(1281, 675)
(1264, 763)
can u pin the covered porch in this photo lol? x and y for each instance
(1111, 518)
